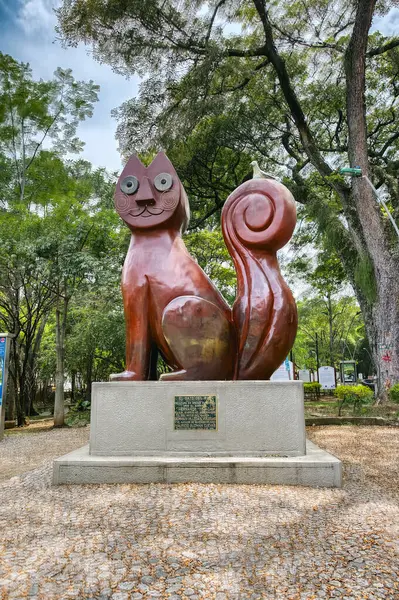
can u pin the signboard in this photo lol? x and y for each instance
(327, 378)
(304, 375)
(282, 373)
(348, 371)
(3, 342)
(195, 412)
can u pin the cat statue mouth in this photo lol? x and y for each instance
(146, 211)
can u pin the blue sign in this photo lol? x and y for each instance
(287, 364)
(3, 342)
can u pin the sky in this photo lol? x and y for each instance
(27, 34)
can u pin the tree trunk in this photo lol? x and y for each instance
(60, 328)
(31, 368)
(331, 329)
(16, 376)
(89, 377)
(73, 386)
(382, 316)
(10, 395)
(385, 347)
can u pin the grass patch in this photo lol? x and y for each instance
(330, 409)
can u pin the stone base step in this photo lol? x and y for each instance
(317, 468)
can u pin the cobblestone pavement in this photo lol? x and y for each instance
(126, 542)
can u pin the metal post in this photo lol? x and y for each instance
(5, 340)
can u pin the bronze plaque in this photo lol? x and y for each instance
(196, 412)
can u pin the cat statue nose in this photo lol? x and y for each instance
(145, 201)
(145, 195)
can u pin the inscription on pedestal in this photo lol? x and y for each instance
(196, 412)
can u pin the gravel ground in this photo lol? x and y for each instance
(22, 452)
(190, 541)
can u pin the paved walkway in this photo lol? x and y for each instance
(192, 541)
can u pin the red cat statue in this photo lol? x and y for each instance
(172, 306)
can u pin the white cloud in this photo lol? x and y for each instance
(387, 24)
(37, 16)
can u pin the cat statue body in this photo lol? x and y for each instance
(173, 307)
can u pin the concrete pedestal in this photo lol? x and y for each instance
(259, 437)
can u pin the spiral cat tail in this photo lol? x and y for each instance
(258, 219)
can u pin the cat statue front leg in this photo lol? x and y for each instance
(138, 341)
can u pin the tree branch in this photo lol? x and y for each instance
(302, 42)
(208, 35)
(384, 48)
(245, 81)
(290, 96)
(389, 141)
(211, 212)
(39, 144)
(202, 50)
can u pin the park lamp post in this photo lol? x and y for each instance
(5, 341)
(357, 172)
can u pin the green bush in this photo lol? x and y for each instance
(312, 390)
(394, 393)
(355, 395)
(312, 387)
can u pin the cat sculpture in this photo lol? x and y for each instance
(172, 307)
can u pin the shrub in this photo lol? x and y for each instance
(394, 393)
(312, 390)
(79, 415)
(355, 395)
(311, 387)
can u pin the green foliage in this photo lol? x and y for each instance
(313, 386)
(354, 395)
(359, 391)
(77, 418)
(312, 390)
(209, 249)
(342, 341)
(33, 113)
(96, 339)
(394, 393)
(48, 214)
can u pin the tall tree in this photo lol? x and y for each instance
(33, 180)
(336, 339)
(33, 113)
(24, 303)
(303, 84)
(329, 316)
(78, 248)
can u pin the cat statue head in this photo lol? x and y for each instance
(151, 197)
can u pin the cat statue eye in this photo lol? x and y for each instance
(130, 185)
(163, 182)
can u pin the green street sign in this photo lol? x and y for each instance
(354, 171)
